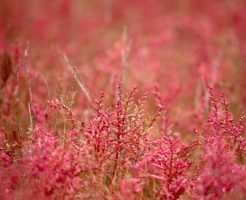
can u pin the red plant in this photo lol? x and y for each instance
(223, 144)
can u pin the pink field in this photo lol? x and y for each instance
(122, 99)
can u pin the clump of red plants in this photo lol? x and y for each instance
(122, 99)
(119, 153)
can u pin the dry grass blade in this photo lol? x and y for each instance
(75, 76)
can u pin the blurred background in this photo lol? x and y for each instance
(179, 45)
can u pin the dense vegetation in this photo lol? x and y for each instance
(122, 99)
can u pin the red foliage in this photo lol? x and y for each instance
(168, 137)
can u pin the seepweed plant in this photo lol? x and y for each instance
(104, 150)
(123, 151)
(120, 136)
(223, 157)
